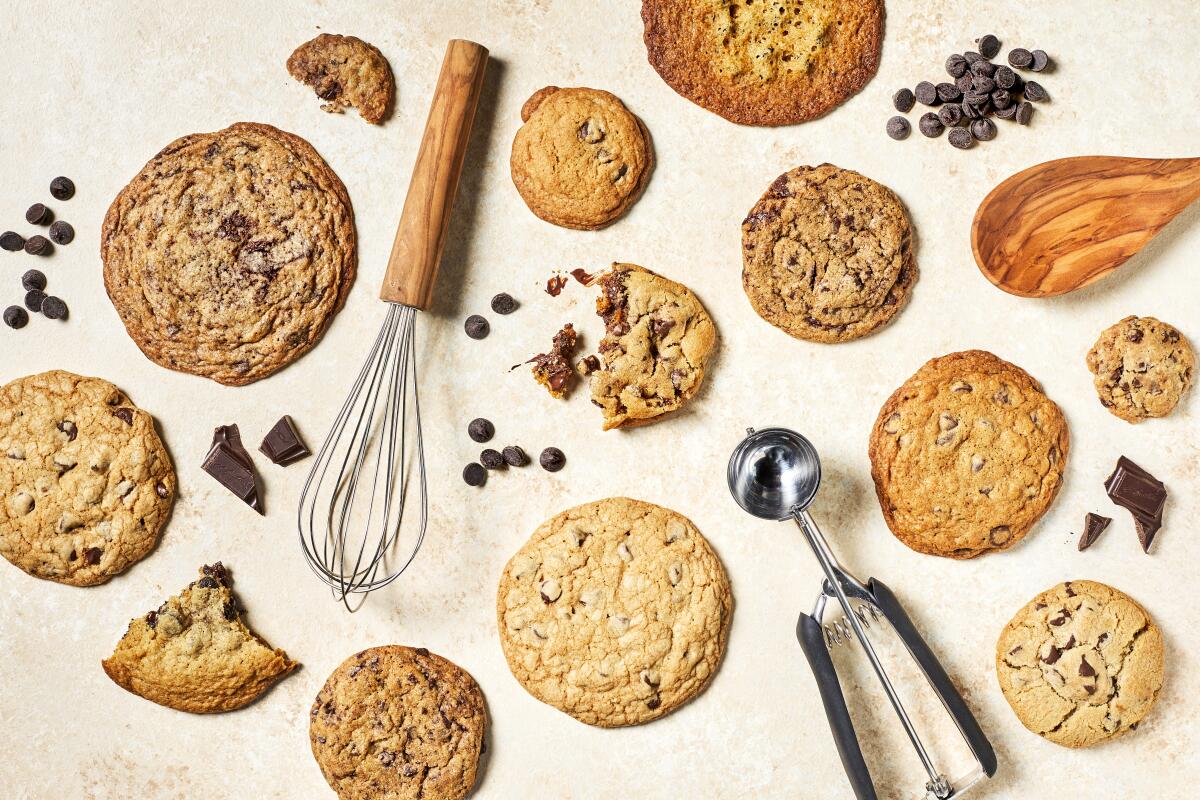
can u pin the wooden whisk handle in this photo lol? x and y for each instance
(421, 235)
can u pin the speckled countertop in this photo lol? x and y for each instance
(92, 90)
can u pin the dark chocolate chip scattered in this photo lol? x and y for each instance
(34, 299)
(956, 67)
(965, 82)
(930, 125)
(552, 459)
(1020, 58)
(16, 317)
(504, 303)
(481, 430)
(982, 84)
(34, 279)
(926, 94)
(283, 444)
(514, 456)
(971, 56)
(62, 188)
(1143, 495)
(492, 459)
(62, 232)
(903, 100)
(229, 463)
(971, 111)
(898, 128)
(124, 414)
(1001, 98)
(12, 241)
(474, 474)
(54, 308)
(38, 214)
(1034, 92)
(1040, 60)
(983, 129)
(1093, 526)
(1006, 112)
(950, 115)
(1024, 113)
(38, 246)
(989, 45)
(948, 92)
(961, 138)
(477, 327)
(1005, 78)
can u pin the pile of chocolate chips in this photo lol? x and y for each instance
(980, 90)
(34, 282)
(482, 430)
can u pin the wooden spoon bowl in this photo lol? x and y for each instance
(1061, 225)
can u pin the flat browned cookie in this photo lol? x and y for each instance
(1142, 368)
(967, 455)
(228, 255)
(773, 62)
(86, 485)
(581, 159)
(345, 71)
(399, 723)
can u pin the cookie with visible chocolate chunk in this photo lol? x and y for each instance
(967, 455)
(1080, 664)
(615, 612)
(228, 255)
(827, 254)
(345, 71)
(581, 158)
(194, 653)
(767, 63)
(398, 722)
(553, 369)
(1142, 368)
(86, 485)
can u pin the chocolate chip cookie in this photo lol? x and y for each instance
(399, 723)
(827, 254)
(86, 485)
(230, 252)
(967, 455)
(580, 159)
(194, 653)
(345, 71)
(1080, 664)
(656, 345)
(1142, 368)
(615, 612)
(766, 63)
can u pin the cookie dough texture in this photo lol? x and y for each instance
(86, 485)
(580, 159)
(615, 612)
(345, 71)
(1142, 368)
(1081, 663)
(827, 254)
(967, 455)
(195, 654)
(399, 723)
(774, 62)
(230, 252)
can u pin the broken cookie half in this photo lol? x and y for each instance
(345, 71)
(195, 654)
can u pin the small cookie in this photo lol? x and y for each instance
(967, 455)
(1142, 366)
(827, 254)
(1080, 664)
(195, 654)
(345, 71)
(767, 63)
(228, 255)
(581, 159)
(86, 485)
(615, 612)
(399, 723)
(656, 345)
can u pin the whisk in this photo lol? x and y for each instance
(352, 509)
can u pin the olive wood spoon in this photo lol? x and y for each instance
(1061, 225)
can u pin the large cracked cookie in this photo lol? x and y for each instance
(228, 255)
(1142, 368)
(86, 485)
(345, 72)
(399, 723)
(967, 455)
(1081, 663)
(767, 63)
(827, 254)
(615, 612)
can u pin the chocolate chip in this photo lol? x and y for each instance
(1005, 78)
(230, 612)
(514, 456)
(898, 128)
(1086, 670)
(477, 327)
(1034, 93)
(15, 317)
(956, 67)
(481, 430)
(54, 308)
(1001, 99)
(903, 100)
(926, 94)
(474, 474)
(62, 232)
(62, 188)
(504, 303)
(965, 82)
(161, 490)
(989, 45)
(1020, 58)
(983, 69)
(971, 111)
(91, 555)
(961, 138)
(1040, 60)
(38, 214)
(971, 56)
(69, 428)
(948, 92)
(34, 299)
(983, 129)
(1006, 112)
(1053, 656)
(491, 459)
(982, 84)
(206, 583)
(552, 459)
(930, 125)
(950, 115)
(654, 702)
(38, 246)
(12, 241)
(1024, 113)
(124, 414)
(152, 619)
(33, 279)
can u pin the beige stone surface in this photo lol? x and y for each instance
(93, 90)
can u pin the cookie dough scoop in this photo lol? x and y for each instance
(774, 474)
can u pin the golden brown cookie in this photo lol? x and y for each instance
(1080, 664)
(581, 159)
(967, 455)
(827, 254)
(345, 71)
(230, 252)
(615, 612)
(773, 62)
(398, 723)
(85, 483)
(195, 654)
(1142, 368)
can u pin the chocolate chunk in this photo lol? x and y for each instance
(229, 463)
(161, 490)
(989, 45)
(474, 474)
(583, 276)
(926, 94)
(1086, 670)
(514, 456)
(930, 125)
(62, 188)
(983, 129)
(481, 430)
(553, 369)
(1093, 526)
(555, 284)
(552, 459)
(961, 138)
(477, 327)
(33, 279)
(950, 115)
(91, 555)
(948, 92)
(903, 100)
(38, 246)
(34, 299)
(38, 214)
(15, 317)
(1024, 113)
(956, 67)
(124, 414)
(1004, 77)
(1020, 58)
(898, 128)
(54, 308)
(1052, 656)
(69, 428)
(283, 444)
(1040, 60)
(1143, 495)
(62, 233)
(152, 619)
(1034, 93)
(12, 241)
(504, 303)
(491, 459)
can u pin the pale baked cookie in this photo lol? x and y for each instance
(195, 654)
(345, 71)
(775, 62)
(85, 483)
(398, 723)
(1142, 368)
(827, 254)
(656, 345)
(967, 455)
(230, 252)
(615, 612)
(581, 158)
(1081, 663)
